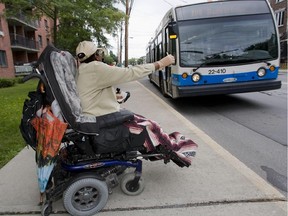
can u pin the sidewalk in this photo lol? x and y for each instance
(217, 184)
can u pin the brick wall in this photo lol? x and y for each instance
(44, 31)
(279, 7)
(7, 71)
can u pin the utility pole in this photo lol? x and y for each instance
(128, 11)
(126, 33)
(121, 46)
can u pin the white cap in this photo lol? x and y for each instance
(85, 49)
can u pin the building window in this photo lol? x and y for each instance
(40, 42)
(46, 25)
(280, 17)
(277, 1)
(3, 59)
(1, 31)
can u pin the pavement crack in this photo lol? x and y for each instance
(172, 206)
(199, 204)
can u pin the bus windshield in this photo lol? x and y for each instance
(229, 40)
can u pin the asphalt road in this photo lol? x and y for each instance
(251, 126)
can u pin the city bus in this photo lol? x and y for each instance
(221, 47)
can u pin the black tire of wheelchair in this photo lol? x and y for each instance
(126, 180)
(46, 209)
(69, 193)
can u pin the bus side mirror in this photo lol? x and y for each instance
(172, 30)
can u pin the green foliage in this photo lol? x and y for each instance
(132, 61)
(11, 103)
(78, 19)
(19, 79)
(140, 61)
(7, 83)
(108, 60)
(10, 82)
(88, 20)
(115, 58)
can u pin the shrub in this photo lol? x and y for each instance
(7, 83)
(19, 80)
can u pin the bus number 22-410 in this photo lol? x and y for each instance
(218, 71)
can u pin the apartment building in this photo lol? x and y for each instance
(280, 10)
(21, 42)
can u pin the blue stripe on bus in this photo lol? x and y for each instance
(177, 80)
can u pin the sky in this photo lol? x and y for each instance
(144, 19)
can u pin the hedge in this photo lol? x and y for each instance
(4, 82)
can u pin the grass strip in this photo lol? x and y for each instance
(11, 103)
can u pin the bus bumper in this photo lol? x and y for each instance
(227, 88)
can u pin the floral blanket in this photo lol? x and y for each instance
(184, 148)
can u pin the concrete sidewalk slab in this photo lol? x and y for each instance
(216, 184)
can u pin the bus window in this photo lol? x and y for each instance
(159, 47)
(173, 48)
(159, 52)
(170, 44)
(152, 52)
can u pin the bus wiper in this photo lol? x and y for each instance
(209, 63)
(201, 65)
(192, 51)
(223, 52)
(244, 59)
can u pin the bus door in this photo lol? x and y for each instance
(170, 47)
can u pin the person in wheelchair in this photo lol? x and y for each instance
(95, 81)
(121, 96)
(82, 163)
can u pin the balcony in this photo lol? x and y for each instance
(22, 20)
(23, 70)
(19, 42)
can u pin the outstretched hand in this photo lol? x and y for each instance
(166, 61)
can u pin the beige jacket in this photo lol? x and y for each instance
(95, 83)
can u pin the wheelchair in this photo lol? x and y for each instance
(89, 162)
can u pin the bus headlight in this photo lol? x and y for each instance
(261, 72)
(196, 77)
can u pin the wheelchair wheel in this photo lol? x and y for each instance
(85, 197)
(46, 209)
(128, 188)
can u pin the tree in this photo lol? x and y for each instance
(115, 58)
(109, 60)
(74, 20)
(89, 20)
(132, 61)
(141, 60)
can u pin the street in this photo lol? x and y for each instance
(251, 126)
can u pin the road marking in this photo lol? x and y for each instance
(253, 177)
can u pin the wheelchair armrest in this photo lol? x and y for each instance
(116, 118)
